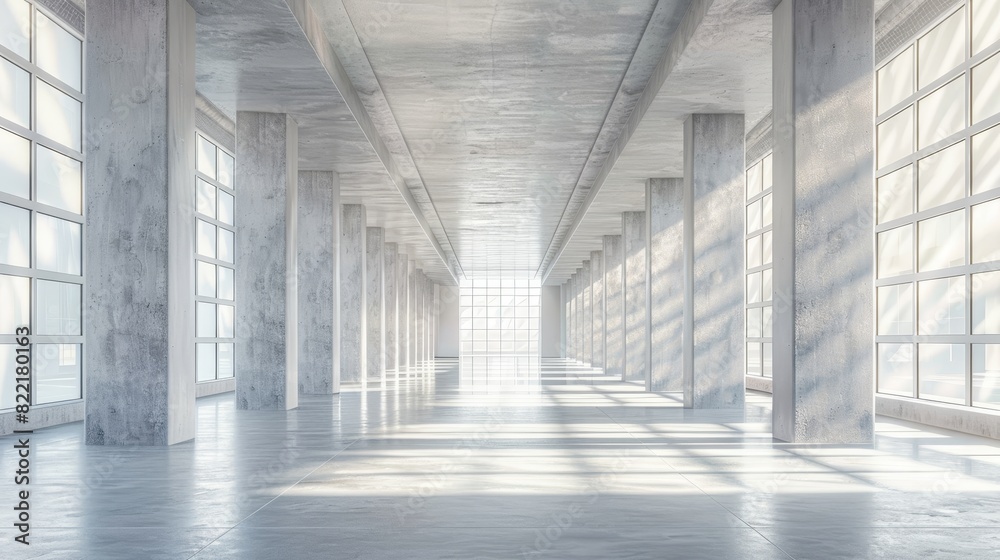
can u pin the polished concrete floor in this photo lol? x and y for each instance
(440, 466)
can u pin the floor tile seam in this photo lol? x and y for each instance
(269, 502)
(686, 479)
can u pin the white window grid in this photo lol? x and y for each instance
(912, 337)
(57, 359)
(215, 267)
(498, 327)
(758, 252)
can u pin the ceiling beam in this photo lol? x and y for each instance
(675, 48)
(316, 35)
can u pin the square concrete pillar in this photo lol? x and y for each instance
(353, 294)
(571, 318)
(319, 282)
(586, 314)
(403, 337)
(714, 373)
(267, 256)
(431, 305)
(578, 314)
(564, 302)
(614, 307)
(375, 302)
(391, 306)
(411, 273)
(634, 253)
(665, 283)
(420, 293)
(823, 195)
(140, 175)
(581, 352)
(597, 307)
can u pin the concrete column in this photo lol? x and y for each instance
(587, 315)
(714, 373)
(140, 356)
(430, 320)
(267, 260)
(353, 294)
(403, 337)
(822, 248)
(581, 353)
(665, 283)
(577, 347)
(636, 336)
(563, 319)
(391, 306)
(420, 294)
(614, 308)
(597, 307)
(411, 273)
(435, 320)
(319, 282)
(375, 301)
(570, 319)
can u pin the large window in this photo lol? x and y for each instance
(41, 200)
(499, 332)
(215, 297)
(758, 262)
(938, 211)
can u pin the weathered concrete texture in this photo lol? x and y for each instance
(391, 301)
(375, 301)
(319, 297)
(571, 318)
(636, 337)
(587, 314)
(581, 351)
(564, 315)
(822, 260)
(266, 241)
(139, 302)
(614, 307)
(597, 307)
(403, 290)
(714, 263)
(665, 283)
(421, 326)
(266, 257)
(353, 294)
(431, 314)
(411, 281)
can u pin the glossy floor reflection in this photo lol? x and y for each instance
(587, 467)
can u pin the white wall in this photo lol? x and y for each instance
(447, 335)
(550, 324)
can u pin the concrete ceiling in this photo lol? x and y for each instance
(489, 135)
